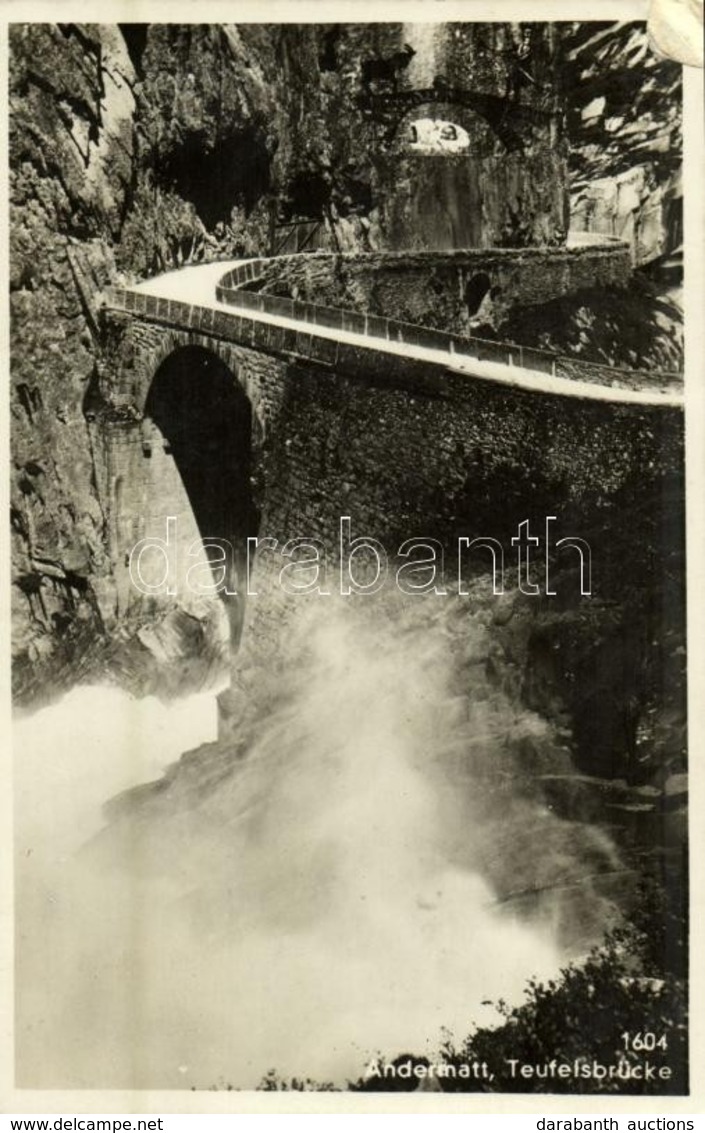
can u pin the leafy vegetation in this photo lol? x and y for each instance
(634, 984)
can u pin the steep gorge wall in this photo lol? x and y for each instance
(355, 168)
(107, 128)
(71, 145)
(625, 130)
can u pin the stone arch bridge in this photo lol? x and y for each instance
(509, 119)
(241, 413)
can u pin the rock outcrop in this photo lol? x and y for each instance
(112, 129)
(624, 125)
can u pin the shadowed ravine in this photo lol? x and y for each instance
(377, 865)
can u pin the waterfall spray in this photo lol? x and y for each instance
(374, 871)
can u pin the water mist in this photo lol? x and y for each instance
(376, 867)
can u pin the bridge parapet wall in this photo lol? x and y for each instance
(431, 374)
(393, 330)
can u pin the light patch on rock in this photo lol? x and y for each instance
(433, 135)
(593, 109)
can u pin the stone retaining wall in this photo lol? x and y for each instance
(402, 446)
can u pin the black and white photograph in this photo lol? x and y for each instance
(347, 487)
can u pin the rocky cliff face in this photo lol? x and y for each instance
(624, 124)
(108, 128)
(205, 131)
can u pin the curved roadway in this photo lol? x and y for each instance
(197, 284)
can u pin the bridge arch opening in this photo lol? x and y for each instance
(475, 291)
(433, 177)
(205, 420)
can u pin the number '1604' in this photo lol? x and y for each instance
(644, 1040)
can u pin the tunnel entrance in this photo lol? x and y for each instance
(475, 291)
(205, 420)
(235, 172)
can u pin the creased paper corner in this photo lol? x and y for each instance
(676, 30)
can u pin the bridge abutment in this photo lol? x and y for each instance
(404, 446)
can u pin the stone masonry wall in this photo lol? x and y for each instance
(409, 452)
(141, 485)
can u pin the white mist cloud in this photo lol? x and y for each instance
(336, 894)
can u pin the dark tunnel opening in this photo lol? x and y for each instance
(475, 291)
(233, 173)
(205, 419)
